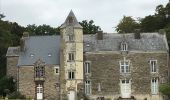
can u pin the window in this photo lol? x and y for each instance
(39, 71)
(124, 46)
(71, 75)
(71, 56)
(39, 88)
(70, 20)
(87, 67)
(71, 37)
(153, 66)
(88, 87)
(39, 91)
(56, 70)
(124, 66)
(154, 86)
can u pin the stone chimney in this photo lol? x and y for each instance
(22, 44)
(22, 41)
(162, 31)
(137, 34)
(100, 35)
(25, 35)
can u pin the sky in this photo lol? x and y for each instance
(104, 13)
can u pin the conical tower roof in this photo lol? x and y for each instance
(71, 20)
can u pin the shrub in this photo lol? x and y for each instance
(16, 95)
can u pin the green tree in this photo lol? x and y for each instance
(16, 95)
(2, 16)
(165, 89)
(7, 85)
(127, 25)
(42, 30)
(89, 27)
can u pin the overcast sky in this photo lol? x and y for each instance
(105, 13)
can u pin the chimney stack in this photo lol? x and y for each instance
(100, 35)
(22, 41)
(137, 34)
(22, 44)
(25, 35)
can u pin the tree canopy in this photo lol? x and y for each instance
(151, 23)
(89, 27)
(127, 25)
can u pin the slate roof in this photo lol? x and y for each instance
(46, 48)
(111, 42)
(75, 23)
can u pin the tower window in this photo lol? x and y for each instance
(71, 37)
(71, 56)
(70, 19)
(124, 46)
(71, 75)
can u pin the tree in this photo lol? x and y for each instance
(42, 30)
(127, 25)
(89, 27)
(165, 89)
(2, 16)
(7, 85)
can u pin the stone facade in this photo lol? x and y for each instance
(11, 66)
(27, 84)
(105, 69)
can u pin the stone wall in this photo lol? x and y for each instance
(12, 66)
(27, 84)
(105, 69)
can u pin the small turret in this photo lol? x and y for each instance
(71, 20)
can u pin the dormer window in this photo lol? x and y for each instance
(124, 46)
(70, 19)
(39, 69)
(71, 37)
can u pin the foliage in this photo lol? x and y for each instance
(1, 16)
(127, 25)
(16, 95)
(42, 30)
(10, 34)
(165, 89)
(89, 27)
(7, 85)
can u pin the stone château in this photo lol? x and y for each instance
(101, 66)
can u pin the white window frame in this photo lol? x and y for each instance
(39, 88)
(39, 91)
(124, 46)
(56, 67)
(71, 56)
(153, 66)
(154, 86)
(125, 64)
(71, 75)
(87, 67)
(87, 87)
